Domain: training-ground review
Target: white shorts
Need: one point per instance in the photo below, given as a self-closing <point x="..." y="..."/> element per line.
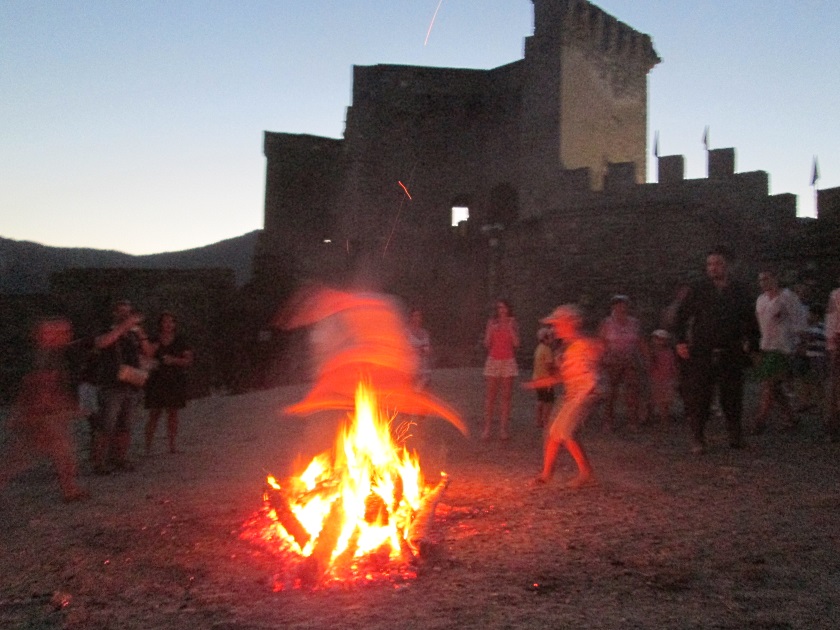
<point x="500" y="368"/>
<point x="574" y="409"/>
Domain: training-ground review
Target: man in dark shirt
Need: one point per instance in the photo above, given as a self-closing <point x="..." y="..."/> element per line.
<point x="121" y="345"/>
<point x="715" y="330"/>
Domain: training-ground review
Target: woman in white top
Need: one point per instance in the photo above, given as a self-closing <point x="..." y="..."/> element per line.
<point x="622" y="337"/>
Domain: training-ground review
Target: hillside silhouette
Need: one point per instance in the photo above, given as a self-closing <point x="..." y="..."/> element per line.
<point x="25" y="267"/>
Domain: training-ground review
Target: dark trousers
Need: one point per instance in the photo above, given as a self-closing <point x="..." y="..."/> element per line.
<point x="702" y="375"/>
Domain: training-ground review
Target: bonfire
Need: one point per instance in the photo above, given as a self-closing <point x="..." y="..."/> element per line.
<point x="363" y="508"/>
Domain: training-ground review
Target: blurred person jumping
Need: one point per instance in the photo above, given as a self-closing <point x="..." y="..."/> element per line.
<point x="359" y="336"/>
<point x="41" y="419"/>
<point x="578" y="374"/>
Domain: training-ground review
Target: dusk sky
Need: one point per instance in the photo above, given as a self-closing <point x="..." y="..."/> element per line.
<point x="138" y="126"/>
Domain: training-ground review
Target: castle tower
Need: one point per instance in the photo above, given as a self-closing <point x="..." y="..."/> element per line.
<point x="584" y="99"/>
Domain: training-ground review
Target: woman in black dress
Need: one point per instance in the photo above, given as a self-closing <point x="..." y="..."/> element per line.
<point x="166" y="389"/>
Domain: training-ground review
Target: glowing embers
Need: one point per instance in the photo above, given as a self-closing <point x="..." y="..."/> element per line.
<point x="358" y="512"/>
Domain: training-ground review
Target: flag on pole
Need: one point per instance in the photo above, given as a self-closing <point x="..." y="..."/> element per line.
<point x="815" y="173"/>
<point x="656" y="144"/>
<point x="706" y="137"/>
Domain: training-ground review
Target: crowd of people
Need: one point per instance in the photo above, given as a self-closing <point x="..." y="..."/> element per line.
<point x="694" y="361"/>
<point x="120" y="370"/>
<point x="708" y="337"/>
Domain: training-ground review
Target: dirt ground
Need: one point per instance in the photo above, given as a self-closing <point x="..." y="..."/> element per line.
<point x="731" y="539"/>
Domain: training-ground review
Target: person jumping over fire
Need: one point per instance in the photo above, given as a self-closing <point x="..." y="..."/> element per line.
<point x="578" y="373"/>
<point x="359" y="336"/>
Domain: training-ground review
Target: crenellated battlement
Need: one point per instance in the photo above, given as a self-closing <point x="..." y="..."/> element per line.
<point x="583" y="24"/>
<point x="549" y="155"/>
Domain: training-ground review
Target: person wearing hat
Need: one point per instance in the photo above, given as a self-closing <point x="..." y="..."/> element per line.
<point x="623" y="352"/>
<point x="578" y="373"/>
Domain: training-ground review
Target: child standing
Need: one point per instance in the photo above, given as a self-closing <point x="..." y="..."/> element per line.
<point x="663" y="375"/>
<point x="544" y="368"/>
<point x="579" y="375"/>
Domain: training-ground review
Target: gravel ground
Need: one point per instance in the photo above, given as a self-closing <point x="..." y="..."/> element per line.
<point x="730" y="539"/>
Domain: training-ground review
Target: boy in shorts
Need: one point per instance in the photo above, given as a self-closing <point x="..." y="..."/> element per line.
<point x="578" y="373"/>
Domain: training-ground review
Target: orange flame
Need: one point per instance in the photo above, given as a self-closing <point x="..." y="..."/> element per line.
<point x="367" y="497"/>
<point x="377" y="484"/>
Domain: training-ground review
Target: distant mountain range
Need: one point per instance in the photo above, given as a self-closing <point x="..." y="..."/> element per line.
<point x="25" y="267"/>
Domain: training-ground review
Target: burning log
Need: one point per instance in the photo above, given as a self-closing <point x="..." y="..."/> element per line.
<point x="316" y="565"/>
<point x="418" y="531"/>
<point x="280" y="503"/>
<point x="376" y="512"/>
<point x="344" y="560"/>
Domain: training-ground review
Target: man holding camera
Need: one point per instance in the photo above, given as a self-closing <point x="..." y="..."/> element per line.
<point x="120" y="350"/>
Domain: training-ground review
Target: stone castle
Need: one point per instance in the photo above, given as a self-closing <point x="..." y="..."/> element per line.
<point x="544" y="159"/>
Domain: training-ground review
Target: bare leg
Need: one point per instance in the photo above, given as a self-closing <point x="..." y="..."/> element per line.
<point x="151" y="427"/>
<point x="62" y="451"/>
<point x="552" y="448"/>
<point x="99" y="451"/>
<point x="582" y="461"/>
<point x="122" y="444"/>
<point x="781" y="398"/>
<point x="172" y="428"/>
<point x="489" y="404"/>
<point x="613" y="386"/>
<point x="631" y="397"/>
<point x="765" y="401"/>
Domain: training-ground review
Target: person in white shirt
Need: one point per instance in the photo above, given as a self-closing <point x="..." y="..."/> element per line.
<point x="779" y="314"/>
